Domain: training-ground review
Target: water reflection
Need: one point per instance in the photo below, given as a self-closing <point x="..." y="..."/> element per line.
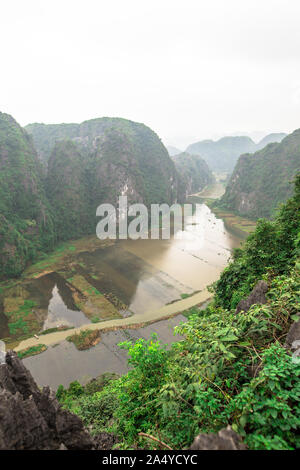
<point x="59" y="314"/>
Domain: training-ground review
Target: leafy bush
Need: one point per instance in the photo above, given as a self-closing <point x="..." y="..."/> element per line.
<point x="272" y="249"/>
<point x="268" y="408"/>
<point x="229" y="369"/>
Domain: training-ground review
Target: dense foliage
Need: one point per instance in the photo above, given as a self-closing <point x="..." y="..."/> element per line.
<point x="262" y="180"/>
<point x="26" y="219"/>
<point x="68" y="188"/>
<point x="271" y="248"/>
<point x="229" y="369"/>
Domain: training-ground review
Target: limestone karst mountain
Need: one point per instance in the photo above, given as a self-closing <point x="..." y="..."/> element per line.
<point x="194" y="170"/>
<point x="262" y="180"/>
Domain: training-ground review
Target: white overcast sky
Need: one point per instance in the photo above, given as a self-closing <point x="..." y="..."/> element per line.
<point x="189" y="69"/>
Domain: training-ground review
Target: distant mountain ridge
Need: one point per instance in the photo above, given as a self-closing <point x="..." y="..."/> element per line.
<point x="263" y="180"/>
<point x="270" y="138"/>
<point x="222" y="155"/>
<point x="173" y="150"/>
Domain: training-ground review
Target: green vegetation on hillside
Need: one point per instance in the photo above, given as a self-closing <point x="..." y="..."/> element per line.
<point x="231" y="368"/>
<point x="68" y="186"/>
<point x="26" y="219"/>
<point x="270" y="249"/>
<point x="270" y="138"/>
<point x="222" y="155"/>
<point x="194" y="171"/>
<point x="263" y="180"/>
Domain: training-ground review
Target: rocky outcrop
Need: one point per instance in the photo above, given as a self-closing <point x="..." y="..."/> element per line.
<point x="33" y="419"/>
<point x="226" y="439"/>
<point x="257" y="296"/>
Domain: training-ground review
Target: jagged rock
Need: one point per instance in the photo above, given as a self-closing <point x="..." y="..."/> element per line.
<point x="34" y="419"/>
<point x="226" y="439"/>
<point x="257" y="296"/>
<point x="292" y="340"/>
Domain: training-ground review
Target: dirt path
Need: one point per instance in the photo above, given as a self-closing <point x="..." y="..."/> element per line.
<point x="137" y="319"/>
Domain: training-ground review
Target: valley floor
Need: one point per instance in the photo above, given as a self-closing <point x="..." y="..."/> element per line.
<point x="137" y="320"/>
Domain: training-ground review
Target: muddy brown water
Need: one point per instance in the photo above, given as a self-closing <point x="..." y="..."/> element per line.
<point x="63" y="363"/>
<point x="54" y="294"/>
<point x="147" y="274"/>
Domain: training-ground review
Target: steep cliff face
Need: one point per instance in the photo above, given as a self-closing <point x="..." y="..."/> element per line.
<point x="127" y="157"/>
<point x="45" y="136"/>
<point x="26" y="219"/>
<point x="263" y="180"/>
<point x="222" y="155"/>
<point x="194" y="170"/>
<point x="68" y="188"/>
